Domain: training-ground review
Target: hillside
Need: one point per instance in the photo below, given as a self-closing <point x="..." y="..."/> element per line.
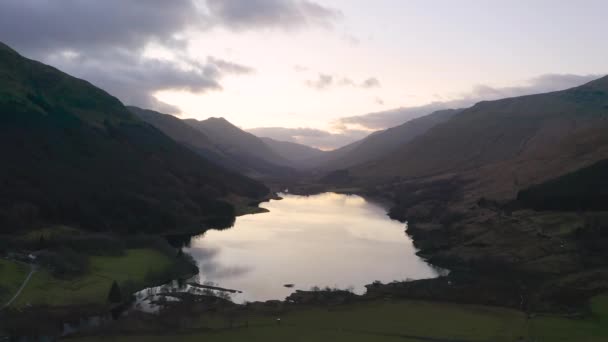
<point x="382" y="143"/>
<point x="583" y="190"/>
<point x="502" y="146"/>
<point x="75" y="155"/>
<point x="252" y="155"/>
<point x="213" y="151"/>
<point x="294" y="153"/>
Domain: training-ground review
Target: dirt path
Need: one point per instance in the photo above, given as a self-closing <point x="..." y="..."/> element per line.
<point x="27" y="279"/>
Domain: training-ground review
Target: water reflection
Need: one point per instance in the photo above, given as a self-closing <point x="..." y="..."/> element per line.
<point x="323" y="240"/>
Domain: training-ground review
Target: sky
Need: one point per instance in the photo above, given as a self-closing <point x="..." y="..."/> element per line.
<point x="318" y="72"/>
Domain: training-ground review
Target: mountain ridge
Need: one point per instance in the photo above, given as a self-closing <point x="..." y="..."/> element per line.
<point x="505" y="144"/>
<point x="77" y="156"/>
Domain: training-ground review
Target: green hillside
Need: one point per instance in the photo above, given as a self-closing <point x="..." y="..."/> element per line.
<point x="73" y="154"/>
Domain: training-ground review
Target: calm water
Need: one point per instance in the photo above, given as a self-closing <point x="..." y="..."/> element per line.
<point x="323" y="240"/>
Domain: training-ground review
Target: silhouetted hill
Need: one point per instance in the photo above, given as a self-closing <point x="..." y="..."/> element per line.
<point x="198" y="141"/>
<point x="250" y="151"/>
<point x="73" y="154"/>
<point x="292" y="152"/>
<point x="380" y="144"/>
<point x="502" y="146"/>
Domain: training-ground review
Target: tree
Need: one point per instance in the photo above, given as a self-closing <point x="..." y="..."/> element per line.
<point x="41" y="243"/>
<point x="115" y="296"/>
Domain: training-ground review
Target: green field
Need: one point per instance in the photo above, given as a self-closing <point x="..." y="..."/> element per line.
<point x="399" y="321"/>
<point x="590" y="329"/>
<point x="92" y="288"/>
<point x="12" y="275"/>
<point x="376" y="321"/>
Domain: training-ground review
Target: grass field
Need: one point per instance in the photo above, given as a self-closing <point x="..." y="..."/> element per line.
<point x="12" y="275"/>
<point x="377" y="321"/>
<point x="591" y="329"/>
<point x="92" y="288"/>
<point x="402" y="321"/>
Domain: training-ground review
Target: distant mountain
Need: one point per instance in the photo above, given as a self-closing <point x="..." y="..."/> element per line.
<point x="200" y="143"/>
<point x="245" y="147"/>
<point x="499" y="147"/>
<point x="292" y="152"/>
<point x="73" y="154"/>
<point x="380" y="144"/>
<point x="179" y="131"/>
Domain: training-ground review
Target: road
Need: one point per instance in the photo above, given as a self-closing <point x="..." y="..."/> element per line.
<point x="27" y="279"/>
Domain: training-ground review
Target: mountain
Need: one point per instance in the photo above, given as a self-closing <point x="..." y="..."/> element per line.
<point x="380" y="144"/>
<point x="220" y="152"/>
<point x="73" y="154"/>
<point x="235" y="141"/>
<point x="180" y="132"/>
<point x="249" y="150"/>
<point x="499" y="147"/>
<point x="293" y="152"/>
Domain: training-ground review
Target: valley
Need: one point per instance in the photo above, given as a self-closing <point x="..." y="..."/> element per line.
<point x="484" y="220"/>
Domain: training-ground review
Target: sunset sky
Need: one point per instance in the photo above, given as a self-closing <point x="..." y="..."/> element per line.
<point x="319" y="72"/>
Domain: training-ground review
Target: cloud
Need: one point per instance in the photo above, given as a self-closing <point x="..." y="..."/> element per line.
<point x="371" y="83"/>
<point x="395" y="117"/>
<point x="282" y="14"/>
<point x="309" y="136"/>
<point x="104" y="41"/>
<point x="40" y="26"/>
<point x="135" y="79"/>
<point x="350" y="39"/>
<point x="229" y="67"/>
<point x="326" y="81"/>
<point x="300" y="68"/>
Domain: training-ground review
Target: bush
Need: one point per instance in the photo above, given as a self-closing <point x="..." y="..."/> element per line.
<point x="95" y="244"/>
<point x="149" y="241"/>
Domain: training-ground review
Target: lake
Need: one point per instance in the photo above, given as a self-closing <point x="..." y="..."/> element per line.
<point x="334" y="240"/>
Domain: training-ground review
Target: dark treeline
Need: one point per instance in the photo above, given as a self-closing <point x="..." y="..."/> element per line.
<point x="582" y="190"/>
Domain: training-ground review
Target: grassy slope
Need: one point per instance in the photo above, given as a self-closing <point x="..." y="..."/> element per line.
<point x="12" y="275"/>
<point x="92" y="288"/>
<point x="593" y="329"/>
<point x="380" y="144"/>
<point x="506" y="145"/>
<point x="376" y="321"/>
<point x="403" y="321"/>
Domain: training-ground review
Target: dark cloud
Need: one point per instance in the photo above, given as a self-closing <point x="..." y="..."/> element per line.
<point x="326" y="81"/>
<point x="394" y="117"/>
<point x="41" y="26"/>
<point x="134" y="79"/>
<point x="103" y="41"/>
<point x="284" y="14"/>
<point x="312" y="137"/>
